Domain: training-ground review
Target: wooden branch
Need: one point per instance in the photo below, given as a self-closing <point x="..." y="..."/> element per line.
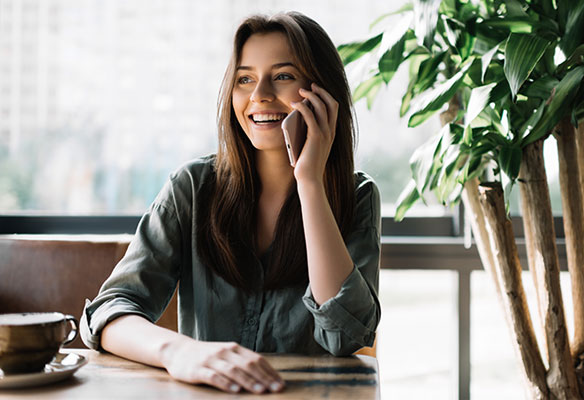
<point x="470" y="199"/>
<point x="573" y="210"/>
<point x="449" y="115"/>
<point x="537" y="217"/>
<point x="580" y="152"/>
<point x="508" y="271"/>
<point x="579" y="358"/>
<point x="531" y="261"/>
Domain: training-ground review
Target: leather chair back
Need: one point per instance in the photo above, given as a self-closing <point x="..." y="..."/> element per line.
<point x="57" y="273"/>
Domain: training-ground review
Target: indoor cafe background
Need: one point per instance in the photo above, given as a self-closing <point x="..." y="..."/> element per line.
<point x="101" y="99"/>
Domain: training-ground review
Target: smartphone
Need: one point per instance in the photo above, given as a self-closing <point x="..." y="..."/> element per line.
<point x="294" y="130"/>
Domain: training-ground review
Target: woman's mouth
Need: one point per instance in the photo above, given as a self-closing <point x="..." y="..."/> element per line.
<point x="267" y="119"/>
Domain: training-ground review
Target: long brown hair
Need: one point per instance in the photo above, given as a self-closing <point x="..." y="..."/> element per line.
<point x="226" y="210"/>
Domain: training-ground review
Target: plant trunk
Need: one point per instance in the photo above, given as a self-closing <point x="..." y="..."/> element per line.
<point x="580" y="152"/>
<point x="508" y="271"/>
<point x="539" y="228"/>
<point x="449" y="115"/>
<point x="470" y="199"/>
<point x="579" y="355"/>
<point x="573" y="210"/>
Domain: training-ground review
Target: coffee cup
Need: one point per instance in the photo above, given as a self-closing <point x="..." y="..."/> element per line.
<point x="28" y="341"/>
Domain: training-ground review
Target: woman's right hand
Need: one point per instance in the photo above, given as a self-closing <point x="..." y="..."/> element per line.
<point x="224" y="365"/>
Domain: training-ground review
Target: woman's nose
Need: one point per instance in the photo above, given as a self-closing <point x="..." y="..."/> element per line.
<point x="263" y="91"/>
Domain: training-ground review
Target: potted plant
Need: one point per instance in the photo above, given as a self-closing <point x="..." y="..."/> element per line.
<point x="504" y="76"/>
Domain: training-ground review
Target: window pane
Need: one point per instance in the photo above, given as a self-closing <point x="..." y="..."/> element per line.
<point x="101" y="100"/>
<point x="416" y="336"/>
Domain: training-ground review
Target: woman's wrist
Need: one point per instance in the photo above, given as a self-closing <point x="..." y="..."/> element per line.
<point x="309" y="187"/>
<point x="170" y="348"/>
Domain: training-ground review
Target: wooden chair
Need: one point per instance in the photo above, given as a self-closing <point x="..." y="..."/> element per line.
<point x="369" y="351"/>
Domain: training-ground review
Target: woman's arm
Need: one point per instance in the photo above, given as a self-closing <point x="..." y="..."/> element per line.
<point x="329" y="262"/>
<point x="226" y="366"/>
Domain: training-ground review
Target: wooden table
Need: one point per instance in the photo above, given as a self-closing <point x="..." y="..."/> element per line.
<point x="110" y="377"/>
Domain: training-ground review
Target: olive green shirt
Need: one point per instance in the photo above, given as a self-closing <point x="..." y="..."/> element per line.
<point x="163" y="255"/>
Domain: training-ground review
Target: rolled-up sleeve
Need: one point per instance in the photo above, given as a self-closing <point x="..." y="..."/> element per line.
<point x="144" y="280"/>
<point x="348" y="321"/>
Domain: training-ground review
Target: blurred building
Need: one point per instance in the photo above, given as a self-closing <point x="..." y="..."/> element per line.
<point x="101" y="99"/>
<point x="28" y="76"/>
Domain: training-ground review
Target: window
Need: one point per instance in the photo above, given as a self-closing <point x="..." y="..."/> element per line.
<point x="126" y="91"/>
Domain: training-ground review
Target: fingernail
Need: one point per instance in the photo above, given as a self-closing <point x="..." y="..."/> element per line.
<point x="234" y="388"/>
<point x="275" y="386"/>
<point x="258" y="388"/>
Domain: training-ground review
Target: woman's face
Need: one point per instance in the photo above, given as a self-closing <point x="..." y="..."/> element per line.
<point x="266" y="82"/>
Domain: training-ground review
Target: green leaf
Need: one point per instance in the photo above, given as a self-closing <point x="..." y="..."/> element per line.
<point x="542" y="88"/>
<point x="448" y="7"/>
<point x="392" y="59"/>
<point x="371" y="95"/>
<point x="453" y="160"/>
<point x="521" y="54"/>
<point x="496" y="139"/>
<point x="367" y="86"/>
<point x="576" y="58"/>
<point x="479" y="99"/>
<point x="515" y="9"/>
<point x="572" y="38"/>
<point x="406" y="100"/>
<point x="473" y="168"/>
<point x="425" y="20"/>
<point x="494" y="117"/>
<point x="426" y="159"/>
<point x="457" y="36"/>
<point x="406" y="200"/>
<point x="526" y="128"/>
<point x="486" y="60"/>
<point x="427" y="72"/>
<point x="565" y="92"/>
<point x="547" y="8"/>
<point x="352" y="51"/>
<point x="434" y="99"/>
<point x="563" y="12"/>
<point x="510" y="160"/>
<point x="511" y="24"/>
<point x="467" y="138"/>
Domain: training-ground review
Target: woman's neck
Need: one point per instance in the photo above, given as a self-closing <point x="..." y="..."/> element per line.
<point x="275" y="173"/>
<point x="276" y="176"/>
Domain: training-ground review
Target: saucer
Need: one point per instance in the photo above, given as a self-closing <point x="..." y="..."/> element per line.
<point x="63" y="366"/>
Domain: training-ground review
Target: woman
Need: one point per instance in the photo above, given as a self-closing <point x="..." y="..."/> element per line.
<point x="268" y="258"/>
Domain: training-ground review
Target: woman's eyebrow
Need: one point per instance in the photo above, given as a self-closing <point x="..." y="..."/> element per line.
<point x="275" y="66"/>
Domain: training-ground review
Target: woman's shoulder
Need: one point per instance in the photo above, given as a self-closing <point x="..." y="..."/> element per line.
<point x="368" y="201"/>
<point x="185" y="182"/>
<point x="364" y="183"/>
<point x="195" y="171"/>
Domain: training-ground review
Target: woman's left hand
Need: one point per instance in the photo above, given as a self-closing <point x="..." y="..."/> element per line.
<point x="321" y="123"/>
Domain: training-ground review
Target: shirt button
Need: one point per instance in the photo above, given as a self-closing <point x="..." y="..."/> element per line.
<point x="251" y="321"/>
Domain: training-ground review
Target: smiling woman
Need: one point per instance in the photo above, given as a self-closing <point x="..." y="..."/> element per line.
<point x="267" y="257"/>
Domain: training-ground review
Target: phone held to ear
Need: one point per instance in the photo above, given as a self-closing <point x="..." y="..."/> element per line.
<point x="294" y="129"/>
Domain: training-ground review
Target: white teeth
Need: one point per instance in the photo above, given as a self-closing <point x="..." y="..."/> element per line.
<point x="267" y="117"/>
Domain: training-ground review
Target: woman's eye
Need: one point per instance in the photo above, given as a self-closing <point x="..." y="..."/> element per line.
<point x="243" y="80"/>
<point x="284" y="77"/>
